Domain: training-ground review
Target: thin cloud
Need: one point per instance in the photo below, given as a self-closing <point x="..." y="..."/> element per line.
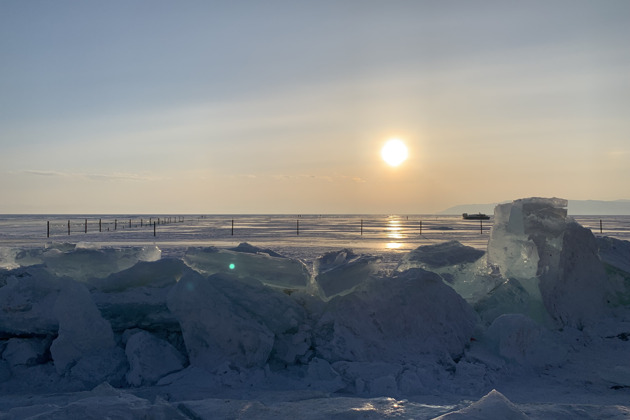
<point x="44" y="173"/>
<point x="116" y="176"/>
<point x="326" y="178"/>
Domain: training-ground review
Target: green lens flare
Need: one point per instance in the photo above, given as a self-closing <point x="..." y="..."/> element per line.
<point x="232" y="266"/>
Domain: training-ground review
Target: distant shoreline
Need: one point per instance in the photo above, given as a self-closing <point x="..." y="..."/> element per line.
<point x="575" y="208"/>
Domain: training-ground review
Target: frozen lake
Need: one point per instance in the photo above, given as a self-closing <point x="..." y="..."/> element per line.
<point x="303" y="236"/>
<point x="110" y="325"/>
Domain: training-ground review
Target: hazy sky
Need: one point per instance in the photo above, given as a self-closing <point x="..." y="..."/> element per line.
<point x="282" y="106"/>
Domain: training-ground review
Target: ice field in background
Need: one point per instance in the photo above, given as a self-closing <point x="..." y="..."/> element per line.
<point x="300" y="236"/>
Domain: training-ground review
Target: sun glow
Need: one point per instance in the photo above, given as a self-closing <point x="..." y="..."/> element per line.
<point x="394" y="152"/>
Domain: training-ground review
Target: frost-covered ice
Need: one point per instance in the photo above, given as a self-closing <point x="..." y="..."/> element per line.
<point x="536" y="327"/>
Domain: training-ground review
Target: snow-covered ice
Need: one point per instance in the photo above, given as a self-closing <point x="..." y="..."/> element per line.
<point x="538" y="327"/>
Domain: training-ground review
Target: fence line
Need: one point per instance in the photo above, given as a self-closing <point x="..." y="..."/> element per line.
<point x="72" y="227"/>
<point x="390" y="227"/>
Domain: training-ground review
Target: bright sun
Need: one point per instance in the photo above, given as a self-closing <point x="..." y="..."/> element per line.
<point x="394" y="152"/>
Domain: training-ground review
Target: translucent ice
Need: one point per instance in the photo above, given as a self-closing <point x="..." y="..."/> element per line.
<point x="533" y="241"/>
<point x="245" y="263"/>
<point x="444" y="254"/>
<point x="136" y="297"/>
<point x="160" y="273"/>
<point x="338" y="272"/>
<point x="84" y="261"/>
<point x="522" y="231"/>
<point x="464" y="268"/>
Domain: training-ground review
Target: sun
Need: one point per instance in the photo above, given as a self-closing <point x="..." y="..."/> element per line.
<point x="394" y="152"/>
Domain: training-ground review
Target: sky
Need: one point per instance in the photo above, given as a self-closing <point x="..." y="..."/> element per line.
<point x="164" y="107"/>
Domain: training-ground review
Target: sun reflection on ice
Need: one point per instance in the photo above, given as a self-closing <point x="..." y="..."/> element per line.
<point x="394" y="229"/>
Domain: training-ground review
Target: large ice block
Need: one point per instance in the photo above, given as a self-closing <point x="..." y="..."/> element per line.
<point x="395" y="319"/>
<point x="534" y="241"/>
<point x="224" y="320"/>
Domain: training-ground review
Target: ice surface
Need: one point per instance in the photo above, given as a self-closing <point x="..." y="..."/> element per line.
<point x="520" y="339"/>
<point x="554" y="258"/>
<point x="225" y="320"/>
<point x="615" y="254"/>
<point x="522" y="233"/>
<point x="150" y="358"/>
<point x="493" y="406"/>
<point x="27" y="302"/>
<point x="88" y="332"/>
<point x="339" y="272"/>
<point x="82" y="330"/>
<point x="24" y="351"/>
<point x="395" y="319"/>
<point x="463" y="267"/>
<point x="246" y="262"/>
<point x="136" y="297"/>
<point x="82" y="262"/>
<point x="445" y="254"/>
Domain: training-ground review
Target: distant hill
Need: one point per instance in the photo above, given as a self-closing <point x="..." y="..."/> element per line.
<point x="576" y="207"/>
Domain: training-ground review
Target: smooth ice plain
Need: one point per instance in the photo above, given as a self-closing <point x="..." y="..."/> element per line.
<point x="535" y="326"/>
